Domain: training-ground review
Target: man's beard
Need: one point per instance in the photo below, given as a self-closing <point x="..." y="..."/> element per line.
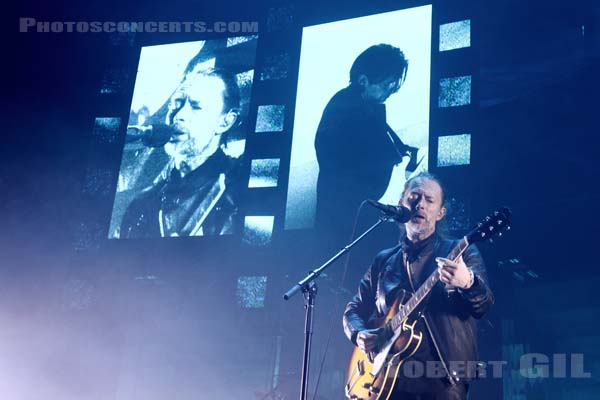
<point x="181" y="148"/>
<point x="419" y="232"/>
<point x="189" y="152"/>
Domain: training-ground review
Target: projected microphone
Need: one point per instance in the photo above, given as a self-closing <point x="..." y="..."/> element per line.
<point x="156" y="135"/>
<point x="398" y="213"/>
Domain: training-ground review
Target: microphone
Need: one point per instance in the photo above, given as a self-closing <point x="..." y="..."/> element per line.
<point x="399" y="213"/>
<point x="156" y="135"/>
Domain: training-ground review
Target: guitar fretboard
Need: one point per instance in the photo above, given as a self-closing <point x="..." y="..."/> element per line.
<point x="425" y="288"/>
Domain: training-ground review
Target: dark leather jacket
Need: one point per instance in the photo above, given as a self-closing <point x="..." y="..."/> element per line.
<point x="449" y="316"/>
<point x="202" y="203"/>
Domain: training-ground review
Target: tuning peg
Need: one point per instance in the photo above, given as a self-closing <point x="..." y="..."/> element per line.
<point x="508" y="228"/>
<point x="500" y="234"/>
<point x="491" y="240"/>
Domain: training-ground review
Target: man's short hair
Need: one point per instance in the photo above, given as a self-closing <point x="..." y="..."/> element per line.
<point x="231" y="94"/>
<point x="378" y="63"/>
<point x="422" y="176"/>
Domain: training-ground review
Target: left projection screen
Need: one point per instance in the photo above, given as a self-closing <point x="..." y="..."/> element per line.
<point x="180" y="169"/>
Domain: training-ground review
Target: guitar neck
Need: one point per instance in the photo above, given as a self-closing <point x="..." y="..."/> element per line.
<point x="426" y="287"/>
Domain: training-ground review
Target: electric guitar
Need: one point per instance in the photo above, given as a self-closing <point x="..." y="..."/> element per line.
<point x="372" y="376"/>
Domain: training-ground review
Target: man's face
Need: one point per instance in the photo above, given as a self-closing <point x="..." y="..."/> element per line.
<point x="197" y="113"/>
<point x="379" y="92"/>
<point x="424" y="199"/>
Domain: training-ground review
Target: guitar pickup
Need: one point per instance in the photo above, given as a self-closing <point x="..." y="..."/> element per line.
<point x="360" y="367"/>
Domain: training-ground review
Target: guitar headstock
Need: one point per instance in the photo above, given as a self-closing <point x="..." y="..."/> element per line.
<point x="493" y="224"/>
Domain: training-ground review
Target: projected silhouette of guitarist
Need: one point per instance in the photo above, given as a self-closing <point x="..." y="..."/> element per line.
<point x="355" y="147"/>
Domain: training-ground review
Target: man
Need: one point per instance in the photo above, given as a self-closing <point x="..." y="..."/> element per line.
<point x="355" y="149"/>
<point x="448" y="317"/>
<point x="194" y="194"/>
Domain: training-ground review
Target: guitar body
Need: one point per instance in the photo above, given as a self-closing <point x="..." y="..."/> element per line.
<point x="362" y="383"/>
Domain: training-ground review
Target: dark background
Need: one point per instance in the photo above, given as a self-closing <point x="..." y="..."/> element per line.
<point x="86" y="318"/>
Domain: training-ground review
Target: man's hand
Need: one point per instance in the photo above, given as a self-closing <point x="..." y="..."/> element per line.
<point x="455" y="274"/>
<point x="367" y="340"/>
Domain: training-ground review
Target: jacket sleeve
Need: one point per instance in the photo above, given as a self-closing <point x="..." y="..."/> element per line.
<point x="361" y="307"/>
<point x="478" y="298"/>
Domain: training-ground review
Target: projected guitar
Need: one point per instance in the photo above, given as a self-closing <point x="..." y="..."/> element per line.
<point x="372" y="376"/>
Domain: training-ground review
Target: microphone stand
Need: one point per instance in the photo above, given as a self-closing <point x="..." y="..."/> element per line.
<point x="309" y="288"/>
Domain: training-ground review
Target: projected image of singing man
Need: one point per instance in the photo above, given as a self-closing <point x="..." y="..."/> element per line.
<point x="195" y="194"/>
<point x="356" y="149"/>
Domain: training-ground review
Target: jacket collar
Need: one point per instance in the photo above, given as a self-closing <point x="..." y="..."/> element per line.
<point x="412" y="250"/>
